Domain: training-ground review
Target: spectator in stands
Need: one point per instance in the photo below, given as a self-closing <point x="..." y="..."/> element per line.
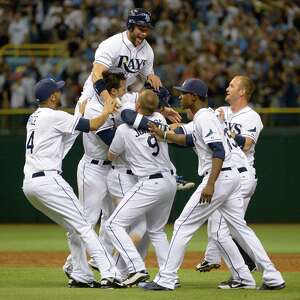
<point x="18" y="30"/>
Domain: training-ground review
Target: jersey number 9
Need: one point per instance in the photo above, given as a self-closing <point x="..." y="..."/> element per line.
<point x="152" y="142"/>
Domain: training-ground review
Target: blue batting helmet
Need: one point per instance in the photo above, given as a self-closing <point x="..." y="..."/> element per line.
<point x="139" y="16"/>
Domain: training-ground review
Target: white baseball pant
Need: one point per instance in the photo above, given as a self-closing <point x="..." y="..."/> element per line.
<point x="150" y="197"/>
<point x="228" y="200"/>
<point x="119" y="181"/>
<point x="94" y="198"/>
<point x="54" y="197"/>
<point x="218" y="232"/>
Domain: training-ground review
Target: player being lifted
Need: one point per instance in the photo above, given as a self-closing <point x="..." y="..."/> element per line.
<point x="130" y="51"/>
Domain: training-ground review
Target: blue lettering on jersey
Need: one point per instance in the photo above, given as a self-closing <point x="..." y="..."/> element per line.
<point x="236" y="128"/>
<point x="252" y="130"/>
<point x="131" y="66"/>
<point x="140" y="132"/>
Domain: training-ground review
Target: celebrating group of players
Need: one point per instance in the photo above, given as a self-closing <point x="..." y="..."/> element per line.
<point x="127" y="177"/>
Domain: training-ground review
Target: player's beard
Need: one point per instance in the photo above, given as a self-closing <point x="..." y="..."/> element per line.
<point x="136" y="40"/>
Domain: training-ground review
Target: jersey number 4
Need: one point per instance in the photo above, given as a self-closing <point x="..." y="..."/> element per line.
<point x="29" y="144"/>
<point x="152" y="142"/>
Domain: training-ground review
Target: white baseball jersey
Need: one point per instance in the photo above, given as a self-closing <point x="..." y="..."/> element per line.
<point x="238" y="157"/>
<point x="208" y="129"/>
<point x="94" y="147"/>
<point x="47" y="145"/>
<point x="144" y="153"/>
<point x="118" y="51"/>
<point x="246" y="122"/>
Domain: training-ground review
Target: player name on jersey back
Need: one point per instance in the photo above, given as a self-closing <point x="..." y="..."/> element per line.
<point x="145" y="154"/>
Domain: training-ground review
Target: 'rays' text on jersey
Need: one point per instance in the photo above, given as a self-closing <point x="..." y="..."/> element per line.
<point x="236" y="128"/>
<point x="132" y="65"/>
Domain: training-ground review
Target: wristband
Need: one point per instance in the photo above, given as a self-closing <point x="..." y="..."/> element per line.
<point x="240" y="140"/>
<point x="100" y="86"/>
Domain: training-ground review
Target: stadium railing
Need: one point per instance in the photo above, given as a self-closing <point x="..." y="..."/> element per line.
<point x="34" y="50"/>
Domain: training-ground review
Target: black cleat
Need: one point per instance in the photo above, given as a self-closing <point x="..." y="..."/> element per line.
<point x="205" y="266"/>
<point x="111" y="283"/>
<point x="135" y="278"/>
<point x="153" y="286"/>
<point x="77" y="284"/>
<point x="265" y="287"/>
<point x="234" y="285"/>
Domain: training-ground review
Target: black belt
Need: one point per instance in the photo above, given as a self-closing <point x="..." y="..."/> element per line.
<point x="129" y="172"/>
<point x="226" y="169"/>
<point x="105" y="162"/>
<point x="156" y="175"/>
<point x="40" y="174"/>
<point x="242" y="170"/>
<point x="223" y="169"/>
<point x="159" y="175"/>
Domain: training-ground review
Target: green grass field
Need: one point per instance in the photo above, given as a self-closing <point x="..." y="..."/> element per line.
<point x="50" y="282"/>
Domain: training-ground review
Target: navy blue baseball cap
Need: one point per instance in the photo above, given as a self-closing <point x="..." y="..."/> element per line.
<point x="46" y="87"/>
<point x="193" y="86"/>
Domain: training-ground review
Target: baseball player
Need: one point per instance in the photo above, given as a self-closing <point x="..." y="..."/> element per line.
<point x="131" y="52"/>
<point x="244" y="124"/>
<point x="48" y="132"/>
<point x="215" y="222"/>
<point x="92" y="172"/>
<point x="220" y="189"/>
<point x="153" y="194"/>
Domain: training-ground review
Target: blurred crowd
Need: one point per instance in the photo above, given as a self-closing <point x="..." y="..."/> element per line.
<point x="209" y="39"/>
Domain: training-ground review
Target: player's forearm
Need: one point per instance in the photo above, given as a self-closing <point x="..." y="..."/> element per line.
<point x="97" y="72"/>
<point x="216" y="167"/>
<point x="248" y="144"/>
<point x="99" y="121"/>
<point x="172" y="137"/>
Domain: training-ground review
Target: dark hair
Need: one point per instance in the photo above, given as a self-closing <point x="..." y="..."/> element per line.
<point x="113" y="79"/>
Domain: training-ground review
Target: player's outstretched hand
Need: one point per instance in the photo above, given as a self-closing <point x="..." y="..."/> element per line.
<point x="155" y="81"/>
<point x="171" y="114"/>
<point x="82" y="105"/>
<point x="207" y="193"/>
<point x="153" y="128"/>
<point x="220" y="114"/>
<point x="110" y="105"/>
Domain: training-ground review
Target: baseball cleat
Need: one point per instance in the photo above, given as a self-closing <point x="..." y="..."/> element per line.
<point x="135" y="278"/>
<point x="77" y="284"/>
<point x="111" y="283"/>
<point x="205" y="266"/>
<point x="272" y="288"/>
<point x="235" y="285"/>
<point x="143" y="284"/>
<point x="183" y="184"/>
<point x="177" y="283"/>
<point x="153" y="286"/>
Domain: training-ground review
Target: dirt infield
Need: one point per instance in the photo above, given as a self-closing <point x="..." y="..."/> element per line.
<point x="284" y="262"/>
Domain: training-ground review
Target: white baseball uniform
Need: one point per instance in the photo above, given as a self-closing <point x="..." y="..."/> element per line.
<point x="152" y="196"/>
<point x="48" y="139"/>
<point x="226" y="198"/>
<point x="248" y="123"/>
<point x="120" y="180"/>
<point x="93" y="193"/>
<point x="118" y="51"/>
<point x="217" y="229"/>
